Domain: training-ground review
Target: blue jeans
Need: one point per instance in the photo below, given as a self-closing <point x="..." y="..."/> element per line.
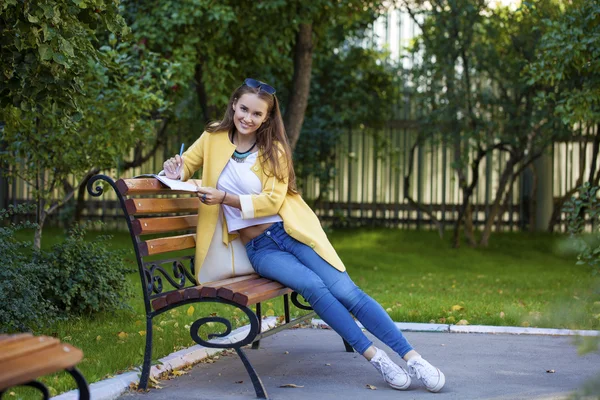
<point x="331" y="293"/>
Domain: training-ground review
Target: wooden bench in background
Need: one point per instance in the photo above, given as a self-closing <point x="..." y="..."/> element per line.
<point x="162" y="221"/>
<point x="25" y="358"/>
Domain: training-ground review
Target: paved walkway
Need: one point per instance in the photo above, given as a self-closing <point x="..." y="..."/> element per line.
<point x="477" y="366"/>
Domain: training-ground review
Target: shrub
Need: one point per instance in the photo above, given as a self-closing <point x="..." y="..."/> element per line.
<point x="76" y="277"/>
<point x="23" y="307"/>
<point x="83" y="277"/>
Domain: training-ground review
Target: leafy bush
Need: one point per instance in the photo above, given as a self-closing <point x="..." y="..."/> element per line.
<point x="83" y="277"/>
<point x="76" y="277"/>
<point x="585" y="204"/>
<point x="23" y="307"/>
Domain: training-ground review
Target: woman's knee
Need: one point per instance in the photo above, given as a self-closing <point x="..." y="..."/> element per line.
<point x="347" y="292"/>
<point x="313" y="289"/>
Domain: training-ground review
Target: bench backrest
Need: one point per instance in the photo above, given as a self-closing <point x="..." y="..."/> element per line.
<point x="162" y="223"/>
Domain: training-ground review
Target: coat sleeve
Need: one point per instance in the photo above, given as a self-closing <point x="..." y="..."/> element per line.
<point x="269" y="201"/>
<point x="193" y="158"/>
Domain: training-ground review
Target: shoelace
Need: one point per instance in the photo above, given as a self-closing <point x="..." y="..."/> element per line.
<point x="383" y="363"/>
<point x="417" y="373"/>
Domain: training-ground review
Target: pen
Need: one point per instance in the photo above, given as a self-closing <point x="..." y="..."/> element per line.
<point x="180" y="154"/>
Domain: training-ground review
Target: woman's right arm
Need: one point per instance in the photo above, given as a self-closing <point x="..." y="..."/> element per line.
<point x="192" y="160"/>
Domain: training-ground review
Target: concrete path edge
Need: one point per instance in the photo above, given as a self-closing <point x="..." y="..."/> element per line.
<point x="112" y="388"/>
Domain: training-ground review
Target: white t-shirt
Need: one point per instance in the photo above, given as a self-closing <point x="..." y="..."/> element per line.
<point x="237" y="178"/>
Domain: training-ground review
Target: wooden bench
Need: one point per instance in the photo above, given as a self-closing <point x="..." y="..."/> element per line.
<point x="24" y="358"/>
<point x="171" y="217"/>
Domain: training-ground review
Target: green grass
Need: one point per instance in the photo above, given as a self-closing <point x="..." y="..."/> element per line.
<point x="520" y="279"/>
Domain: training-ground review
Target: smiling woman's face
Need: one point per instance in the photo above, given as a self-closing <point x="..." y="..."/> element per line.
<point x="250" y="111"/>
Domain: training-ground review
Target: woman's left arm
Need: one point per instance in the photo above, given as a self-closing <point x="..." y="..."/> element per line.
<point x="266" y="203"/>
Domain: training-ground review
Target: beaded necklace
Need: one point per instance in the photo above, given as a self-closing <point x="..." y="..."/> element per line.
<point x="240" y="157"/>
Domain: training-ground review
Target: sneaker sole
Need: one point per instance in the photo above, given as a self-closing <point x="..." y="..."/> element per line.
<point x="440" y="383"/>
<point x="403" y="387"/>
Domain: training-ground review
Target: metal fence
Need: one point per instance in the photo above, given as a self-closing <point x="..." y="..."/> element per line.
<point x="367" y="188"/>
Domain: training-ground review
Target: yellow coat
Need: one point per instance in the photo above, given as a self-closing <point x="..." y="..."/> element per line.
<point x="299" y="220"/>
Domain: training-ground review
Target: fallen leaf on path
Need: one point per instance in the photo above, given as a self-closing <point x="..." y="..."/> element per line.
<point x="372" y="387"/>
<point x="154" y="383"/>
<point x="550" y="371"/>
<point x="239" y="381"/>
<point x="291" y="385"/>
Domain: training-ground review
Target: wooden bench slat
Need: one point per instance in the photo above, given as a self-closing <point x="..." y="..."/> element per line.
<point x="164" y="245"/>
<point x="141" y="186"/>
<point x="5" y="338"/>
<point x="155" y="206"/>
<point x="19" y="348"/>
<point x="227" y="291"/>
<point x="51" y="359"/>
<point x="144" y="226"/>
<point x="248" y="300"/>
<point x="209" y="289"/>
<point x="159" y="302"/>
<point x="195" y="292"/>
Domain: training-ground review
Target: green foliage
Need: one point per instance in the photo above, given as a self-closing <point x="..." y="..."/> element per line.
<point x="76" y="277"/>
<point x="23" y="307"/>
<point x="77" y="95"/>
<point x="45" y="48"/>
<point x="351" y="89"/>
<point x="568" y="59"/>
<point x="218" y="45"/>
<point x="83" y="277"/>
<point x="581" y="210"/>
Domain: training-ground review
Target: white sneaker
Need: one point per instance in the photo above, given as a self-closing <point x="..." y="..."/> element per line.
<point x="432" y="378"/>
<point x="395" y="376"/>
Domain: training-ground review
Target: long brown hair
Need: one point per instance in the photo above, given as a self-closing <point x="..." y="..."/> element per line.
<point x="270" y="136"/>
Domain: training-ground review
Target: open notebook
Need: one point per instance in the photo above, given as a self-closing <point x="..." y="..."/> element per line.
<point x="172" y="183"/>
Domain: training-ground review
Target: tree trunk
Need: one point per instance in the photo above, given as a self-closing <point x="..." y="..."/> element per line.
<point x="487" y="230"/>
<point x="207" y="111"/>
<point x="294" y="113"/>
<point x="469" y="231"/>
<point x="41" y="218"/>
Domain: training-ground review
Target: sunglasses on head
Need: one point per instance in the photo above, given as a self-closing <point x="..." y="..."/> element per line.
<point x="253" y="83"/>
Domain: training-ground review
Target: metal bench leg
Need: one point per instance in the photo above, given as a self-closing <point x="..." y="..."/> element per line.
<point x="286" y="307"/>
<point x="256" y="345"/>
<point x="147" y="356"/>
<point x="84" y="390"/>
<point x="259" y="388"/>
<point x="349" y="348"/>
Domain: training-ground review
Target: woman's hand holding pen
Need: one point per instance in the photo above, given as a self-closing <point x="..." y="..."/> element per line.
<point x="172" y="167"/>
